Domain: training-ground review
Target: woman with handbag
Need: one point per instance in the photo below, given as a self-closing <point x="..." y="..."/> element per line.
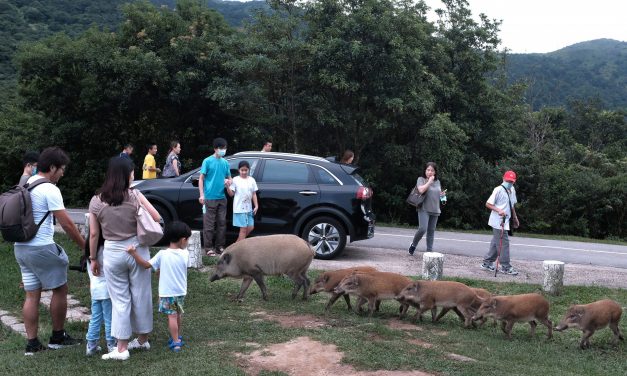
<point x="429" y="187"/>
<point x="116" y="211"/>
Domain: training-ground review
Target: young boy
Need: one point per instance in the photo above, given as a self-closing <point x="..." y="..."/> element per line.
<point x="244" y="188"/>
<point x="172" y="263"/>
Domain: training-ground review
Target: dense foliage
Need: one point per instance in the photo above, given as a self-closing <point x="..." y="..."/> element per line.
<point x="318" y="77"/>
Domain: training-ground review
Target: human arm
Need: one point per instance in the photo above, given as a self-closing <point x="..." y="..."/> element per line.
<point x="424" y="187"/>
<point x="69" y="227"/>
<point x="515" y="222"/>
<point x="201" y="186"/>
<point x="490" y="206"/>
<point x="230" y="190"/>
<point x="138" y="259"/>
<point x="255" y="203"/>
<point x="94" y="235"/>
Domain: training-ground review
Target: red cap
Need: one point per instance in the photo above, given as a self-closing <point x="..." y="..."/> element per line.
<point x="509" y="175"/>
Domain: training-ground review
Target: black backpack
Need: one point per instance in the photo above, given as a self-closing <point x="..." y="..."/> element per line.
<point x="16" y="213"/>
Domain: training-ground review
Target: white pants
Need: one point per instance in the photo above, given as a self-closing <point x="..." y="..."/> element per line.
<point x="129" y="287"/>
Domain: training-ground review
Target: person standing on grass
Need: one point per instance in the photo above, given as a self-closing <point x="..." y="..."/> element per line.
<point x="150" y="169"/>
<point x="244" y="188"/>
<point x="172" y="264"/>
<point x="215" y="175"/>
<point x="43" y="263"/>
<point x="501" y="204"/>
<point x="29" y="162"/>
<point x="113" y="212"/>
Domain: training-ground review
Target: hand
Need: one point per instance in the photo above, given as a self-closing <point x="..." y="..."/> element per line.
<point x="431" y="179"/>
<point x="95" y="267"/>
<point x="255" y="210"/>
<point x="516" y="223"/>
<point x="158" y="170"/>
<point x="201" y="199"/>
<point x="131" y="249"/>
<point x="227" y="182"/>
<point x="501" y="212"/>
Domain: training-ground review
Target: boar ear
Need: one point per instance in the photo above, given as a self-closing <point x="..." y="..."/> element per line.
<point x="326" y="278"/>
<point x="226" y="258"/>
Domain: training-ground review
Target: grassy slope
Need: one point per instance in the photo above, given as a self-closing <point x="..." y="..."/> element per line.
<point x="216" y="328"/>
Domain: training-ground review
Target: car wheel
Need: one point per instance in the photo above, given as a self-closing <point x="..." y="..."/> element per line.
<point x="326" y="236"/>
<point x="163" y="212"/>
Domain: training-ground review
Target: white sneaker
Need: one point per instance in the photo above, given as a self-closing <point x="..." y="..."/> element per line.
<point x="116" y="355"/>
<point x="134" y="345"/>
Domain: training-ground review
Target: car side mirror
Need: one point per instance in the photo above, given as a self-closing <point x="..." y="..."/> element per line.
<point x="195" y="182"/>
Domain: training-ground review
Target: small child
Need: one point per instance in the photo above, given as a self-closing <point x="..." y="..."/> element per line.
<point x="100" y="311"/>
<point x="244" y="188"/>
<point x="172" y="265"/>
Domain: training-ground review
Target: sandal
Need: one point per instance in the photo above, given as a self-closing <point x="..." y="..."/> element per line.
<point x="180" y="340"/>
<point x="175" y="346"/>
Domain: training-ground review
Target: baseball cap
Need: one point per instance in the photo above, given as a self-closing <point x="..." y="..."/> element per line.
<point x="509" y="175"/>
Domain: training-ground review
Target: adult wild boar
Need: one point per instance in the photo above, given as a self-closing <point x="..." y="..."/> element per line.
<point x="428" y="295"/>
<point x="482" y="294"/>
<point x="592" y="317"/>
<point x="517" y="308"/>
<point x="253" y="258"/>
<point x="373" y="287"/>
<point x="328" y="281"/>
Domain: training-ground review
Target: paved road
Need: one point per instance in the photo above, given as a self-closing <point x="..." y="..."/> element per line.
<point x="476" y="245"/>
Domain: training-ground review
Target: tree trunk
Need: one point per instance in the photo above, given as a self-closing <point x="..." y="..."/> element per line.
<point x="553" y="276"/>
<point x="195" y="251"/>
<point x="432" y="265"/>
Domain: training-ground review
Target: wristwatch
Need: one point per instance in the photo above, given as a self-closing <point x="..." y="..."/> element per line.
<point x="92" y="258"/>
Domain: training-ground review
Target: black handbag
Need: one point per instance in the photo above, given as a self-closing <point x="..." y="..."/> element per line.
<point x="415" y="198"/>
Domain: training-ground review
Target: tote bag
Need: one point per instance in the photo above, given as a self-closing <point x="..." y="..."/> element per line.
<point x="415" y="198"/>
<point x="149" y="232"/>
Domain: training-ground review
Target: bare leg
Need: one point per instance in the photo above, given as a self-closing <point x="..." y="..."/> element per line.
<point x="30" y="313"/>
<point x="242" y="234"/>
<point x="173" y="326"/>
<point x="58" y="307"/>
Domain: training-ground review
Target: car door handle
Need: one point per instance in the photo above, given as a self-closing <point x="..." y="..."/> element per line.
<point x="308" y="193"/>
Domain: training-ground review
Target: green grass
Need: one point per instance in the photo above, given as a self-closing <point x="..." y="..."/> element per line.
<point x="570" y="238"/>
<point x="217" y="328"/>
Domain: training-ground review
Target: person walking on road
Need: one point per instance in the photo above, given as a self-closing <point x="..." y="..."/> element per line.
<point x="428" y="213"/>
<point x="501" y="204"/>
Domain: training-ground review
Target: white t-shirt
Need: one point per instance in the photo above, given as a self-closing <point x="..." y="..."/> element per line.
<point x="173" y="275"/>
<point x="44" y="197"/>
<point x="498" y="198"/>
<point x="244" y="189"/>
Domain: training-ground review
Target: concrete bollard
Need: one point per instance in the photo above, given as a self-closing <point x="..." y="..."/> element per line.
<point x="195" y="251"/>
<point x="553" y="276"/>
<point x="432" y="265"/>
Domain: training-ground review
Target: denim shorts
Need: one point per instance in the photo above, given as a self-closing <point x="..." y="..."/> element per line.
<point x="243" y="219"/>
<point x="171" y="305"/>
<point x="43" y="267"/>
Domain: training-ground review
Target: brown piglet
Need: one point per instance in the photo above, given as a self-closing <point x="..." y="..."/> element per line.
<point x="482" y="295"/>
<point x="517" y="308"/>
<point x="592" y="317"/>
<point x="328" y="281"/>
<point x="373" y="287"/>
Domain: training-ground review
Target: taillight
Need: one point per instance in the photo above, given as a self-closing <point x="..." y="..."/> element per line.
<point x="364" y="193"/>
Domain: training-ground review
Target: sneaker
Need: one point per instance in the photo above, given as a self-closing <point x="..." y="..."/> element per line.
<point x="92" y="349"/>
<point x="412" y="249"/>
<point x="510" y="271"/>
<point x="63" y="341"/>
<point x="116" y="355"/>
<point x="32" y="349"/>
<point x="134" y="345"/>
<point x="487" y="266"/>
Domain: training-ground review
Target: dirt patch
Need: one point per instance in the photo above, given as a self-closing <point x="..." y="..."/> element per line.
<point x="291" y="320"/>
<point x="460" y="358"/>
<point x="423" y="344"/>
<point x="304" y="356"/>
<point x="402" y="325"/>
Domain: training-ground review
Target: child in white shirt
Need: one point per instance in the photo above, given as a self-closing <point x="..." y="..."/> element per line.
<point x="172" y="264"/>
<point x="244" y="188"/>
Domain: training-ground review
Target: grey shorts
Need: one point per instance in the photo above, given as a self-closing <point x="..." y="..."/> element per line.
<point x="43" y="267"/>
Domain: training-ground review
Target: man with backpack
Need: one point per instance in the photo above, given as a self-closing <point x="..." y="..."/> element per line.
<point x="42" y="262"/>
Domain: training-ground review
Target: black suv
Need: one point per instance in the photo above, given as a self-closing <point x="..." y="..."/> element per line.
<point x="320" y="200"/>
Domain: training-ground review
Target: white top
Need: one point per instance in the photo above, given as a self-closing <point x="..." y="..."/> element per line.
<point x="98" y="284"/>
<point x="173" y="275"/>
<point x="44" y="197"/>
<point x="498" y="198"/>
<point x="244" y="189"/>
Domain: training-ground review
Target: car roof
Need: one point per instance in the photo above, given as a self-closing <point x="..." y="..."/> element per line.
<point x="262" y="154"/>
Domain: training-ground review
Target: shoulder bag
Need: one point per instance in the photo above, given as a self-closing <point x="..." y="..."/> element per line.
<point x="149" y="232"/>
<point x="416" y="198"/>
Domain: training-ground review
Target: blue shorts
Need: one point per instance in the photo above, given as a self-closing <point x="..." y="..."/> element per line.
<point x="243" y="219"/>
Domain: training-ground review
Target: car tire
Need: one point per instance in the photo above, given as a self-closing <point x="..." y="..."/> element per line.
<point x="326" y="235"/>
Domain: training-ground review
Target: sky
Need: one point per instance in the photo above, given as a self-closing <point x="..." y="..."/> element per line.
<point x="548" y="25"/>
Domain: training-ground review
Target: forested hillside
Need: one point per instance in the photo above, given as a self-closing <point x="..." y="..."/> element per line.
<point x="594" y="69"/>
<point x="375" y="76"/>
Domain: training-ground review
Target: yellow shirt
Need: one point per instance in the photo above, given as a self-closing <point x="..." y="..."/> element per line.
<point x="149" y="161"/>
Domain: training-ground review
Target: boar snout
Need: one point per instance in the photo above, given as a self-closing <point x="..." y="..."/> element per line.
<point x="338" y="290"/>
<point x="561" y="327"/>
<point x="214" y="277"/>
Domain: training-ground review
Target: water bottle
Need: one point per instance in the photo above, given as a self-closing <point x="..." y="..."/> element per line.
<point x="204" y="209"/>
<point x="443" y="198"/>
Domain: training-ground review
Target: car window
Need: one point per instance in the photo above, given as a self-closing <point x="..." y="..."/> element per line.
<point x="234" y="163"/>
<point x="324" y="177"/>
<point x="275" y="171"/>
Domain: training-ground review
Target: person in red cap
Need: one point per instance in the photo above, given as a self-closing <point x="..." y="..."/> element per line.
<point x="501" y="203"/>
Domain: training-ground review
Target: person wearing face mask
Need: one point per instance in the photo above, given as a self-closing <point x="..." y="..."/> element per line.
<point x="501" y="203"/>
<point x="215" y="175"/>
<point x="29" y="161"/>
